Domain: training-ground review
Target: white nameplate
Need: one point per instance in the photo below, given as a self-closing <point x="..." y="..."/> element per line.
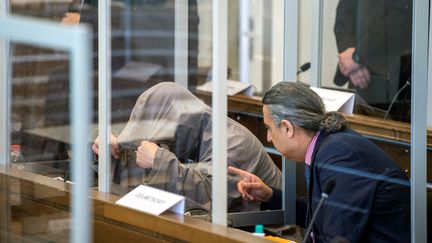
<point x="336" y="100"/>
<point x="152" y="200"/>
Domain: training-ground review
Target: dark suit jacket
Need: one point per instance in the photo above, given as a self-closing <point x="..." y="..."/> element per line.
<point x="370" y="201"/>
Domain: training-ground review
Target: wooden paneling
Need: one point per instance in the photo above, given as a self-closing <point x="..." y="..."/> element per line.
<point x="42" y="214"/>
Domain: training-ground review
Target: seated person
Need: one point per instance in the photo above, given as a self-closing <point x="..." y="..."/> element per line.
<point x="370" y="201"/>
<point x="167" y="144"/>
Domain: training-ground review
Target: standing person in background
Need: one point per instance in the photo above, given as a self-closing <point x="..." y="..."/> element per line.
<point x="370" y="200"/>
<point x="374" y="43"/>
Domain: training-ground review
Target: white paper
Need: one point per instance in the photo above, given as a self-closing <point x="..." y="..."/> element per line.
<point x="234" y="87"/>
<point x="153" y="201"/>
<point x="336" y="100"/>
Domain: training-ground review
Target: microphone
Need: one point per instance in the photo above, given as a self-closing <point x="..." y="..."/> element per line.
<point x="328" y="188"/>
<point x="304" y="67"/>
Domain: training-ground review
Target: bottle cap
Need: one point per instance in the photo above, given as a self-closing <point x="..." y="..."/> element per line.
<point x="15" y="147"/>
<point x="259" y="228"/>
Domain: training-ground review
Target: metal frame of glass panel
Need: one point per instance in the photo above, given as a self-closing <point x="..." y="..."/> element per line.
<point x="76" y="40"/>
<point x="5" y="109"/>
<point x="290" y="64"/>
<point x="289" y="167"/>
<point x="104" y="82"/>
<point x="104" y="54"/>
<point x="5" y="89"/>
<point x="219" y="118"/>
<point x="418" y="120"/>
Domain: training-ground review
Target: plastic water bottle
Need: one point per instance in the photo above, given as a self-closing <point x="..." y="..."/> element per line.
<point x="17" y="158"/>
<point x="259" y="230"/>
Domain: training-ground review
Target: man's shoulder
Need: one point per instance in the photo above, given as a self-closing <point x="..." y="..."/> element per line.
<point x="345" y="138"/>
<point x="342" y="147"/>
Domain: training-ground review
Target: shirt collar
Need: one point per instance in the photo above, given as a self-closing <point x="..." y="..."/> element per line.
<point x="310" y="148"/>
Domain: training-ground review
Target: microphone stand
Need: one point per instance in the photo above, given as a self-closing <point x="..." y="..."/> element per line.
<point x="328" y="188"/>
<point x="395" y="97"/>
<point x="324" y="196"/>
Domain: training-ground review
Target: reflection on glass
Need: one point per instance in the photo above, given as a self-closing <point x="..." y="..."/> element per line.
<point x="39" y="107"/>
<point x="143" y="49"/>
<point x="175" y="125"/>
<point x="373" y="39"/>
<point x="39" y="134"/>
<point x="30" y="213"/>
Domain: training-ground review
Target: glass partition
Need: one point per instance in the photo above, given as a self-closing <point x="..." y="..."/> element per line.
<point x="162" y="132"/>
<point x="40" y="114"/>
<point x="40" y="96"/>
<point x="162" y="127"/>
<point x="367" y="50"/>
<point x="146" y="104"/>
<point x="255" y="43"/>
<point x="429" y="150"/>
<point x="40" y="93"/>
<point x="39" y="117"/>
<point x="151" y="115"/>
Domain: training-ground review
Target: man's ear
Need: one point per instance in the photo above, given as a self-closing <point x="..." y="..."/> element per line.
<point x="287" y="127"/>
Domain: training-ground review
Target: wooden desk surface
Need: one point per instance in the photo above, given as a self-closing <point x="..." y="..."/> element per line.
<point x="37" y="208"/>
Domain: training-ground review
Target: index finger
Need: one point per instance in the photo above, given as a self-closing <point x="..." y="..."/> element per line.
<point x="237" y="171"/>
